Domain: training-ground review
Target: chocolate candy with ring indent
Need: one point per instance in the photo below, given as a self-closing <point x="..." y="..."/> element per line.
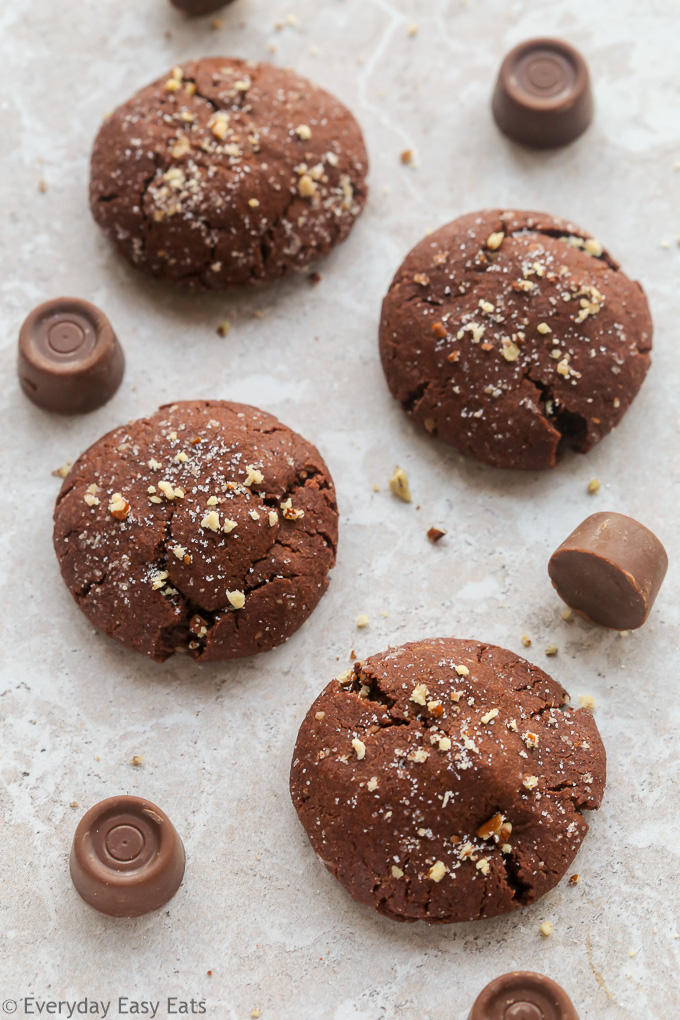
<point x="543" y="97"/>
<point x="194" y="8"/>
<point x="523" y="995"/>
<point x="70" y="360"/>
<point x="126" y="858"/>
<point x="610" y="570"/>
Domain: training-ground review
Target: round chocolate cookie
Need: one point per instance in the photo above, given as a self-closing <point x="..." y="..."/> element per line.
<point x="209" y="527"/>
<point x="228" y="172"/>
<point x="512" y="335"/>
<point x="195" y="8"/>
<point x="445" y="780"/>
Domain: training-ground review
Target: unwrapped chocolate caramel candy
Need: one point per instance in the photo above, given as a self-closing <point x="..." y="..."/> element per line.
<point x="127" y="858"/>
<point x="522" y="995"/>
<point x="610" y="570"/>
<point x="543" y="97"/>
<point x="70" y="360"/>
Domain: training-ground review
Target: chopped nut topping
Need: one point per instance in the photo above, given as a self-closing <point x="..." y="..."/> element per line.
<point x="593" y="247"/>
<point x="372" y="784"/>
<point x="486" y="306"/>
<point x="397" y="872"/>
<point x="419" y="694"/>
<point x="179" y="551"/>
<point x="483" y="866"/>
<point x="495" y="240"/>
<point x="90" y="499"/>
<point x="273" y="518"/>
<point x="587" y="701"/>
<point x="543" y="327"/>
<point x="213" y="501"/>
<point x="159" y="579"/>
<point x="346" y="676"/>
<point x="509" y="350"/>
<point x="211" y="521"/>
<point x="419" y="755"/>
<point x="475" y="328"/>
<point x="439" y="330"/>
<point x="320" y="715"/>
<point x="181" y="147"/>
<point x="304" y="132"/>
<point x="359" y="747"/>
<point x="437" y="871"/>
<point x="530" y="739"/>
<point x="306" y="186"/>
<point x="422" y="279"/>
<point x="219" y="124"/>
<point x="236" y="599"/>
<point x="119" y="507"/>
<point x="399" y="485"/>
<point x="288" y="512"/>
<point x="491" y="714"/>
<point x="530" y="782"/>
<point x="154" y="465"/>
<point x="253" y="203"/>
<point x="254" y="515"/>
<point x="462" y="670"/>
<point x="444" y="744"/>
<point x="492" y="828"/>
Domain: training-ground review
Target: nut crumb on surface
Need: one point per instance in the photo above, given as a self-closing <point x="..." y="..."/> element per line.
<point x="435" y="534"/>
<point x="362" y="621"/>
<point x="586" y="701"/>
<point x="224" y="327"/>
<point x="137" y="760"/>
<point x="399" y="485"/>
<point x="526" y="640"/>
<point x="551" y="650"/>
<point x="546" y="929"/>
<point x="593" y="486"/>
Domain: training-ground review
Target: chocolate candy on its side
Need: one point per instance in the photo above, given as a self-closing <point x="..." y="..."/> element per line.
<point x="194" y="8"/>
<point x="543" y="97"/>
<point x="70" y="360"/>
<point x="523" y="995"/>
<point x="610" y="570"/>
<point x="127" y="858"/>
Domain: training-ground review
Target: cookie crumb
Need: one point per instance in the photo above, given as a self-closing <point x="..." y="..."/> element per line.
<point x="136" y="760"/>
<point x="399" y="485"/>
<point x="412" y="30"/>
<point x="587" y="701"/>
<point x="224" y="327"/>
<point x="593" y="486"/>
<point x="407" y="156"/>
<point x="552" y="650"/>
<point x="435" y="534"/>
<point x="526" y="640"/>
<point x="546" y="929"/>
<point x="574" y="879"/>
<point x="362" y="621"/>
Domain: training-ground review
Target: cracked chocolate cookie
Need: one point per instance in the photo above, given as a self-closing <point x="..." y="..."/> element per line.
<point x="445" y="780"/>
<point x="227" y="172"/>
<point x="512" y="335"/>
<point x="208" y="528"/>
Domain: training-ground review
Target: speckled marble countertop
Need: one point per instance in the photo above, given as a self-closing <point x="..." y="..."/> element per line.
<point x="256" y="908"/>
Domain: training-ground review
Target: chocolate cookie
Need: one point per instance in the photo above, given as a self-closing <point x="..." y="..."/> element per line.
<point x="228" y="172"/>
<point x="512" y="335"/>
<point x="209" y="527"/>
<point x="445" y="780"/>
<point x="194" y="8"/>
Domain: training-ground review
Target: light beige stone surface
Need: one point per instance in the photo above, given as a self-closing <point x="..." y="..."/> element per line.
<point x="257" y="909"/>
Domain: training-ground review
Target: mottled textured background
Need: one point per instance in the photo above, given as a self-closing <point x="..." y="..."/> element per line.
<point x="257" y="909"/>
